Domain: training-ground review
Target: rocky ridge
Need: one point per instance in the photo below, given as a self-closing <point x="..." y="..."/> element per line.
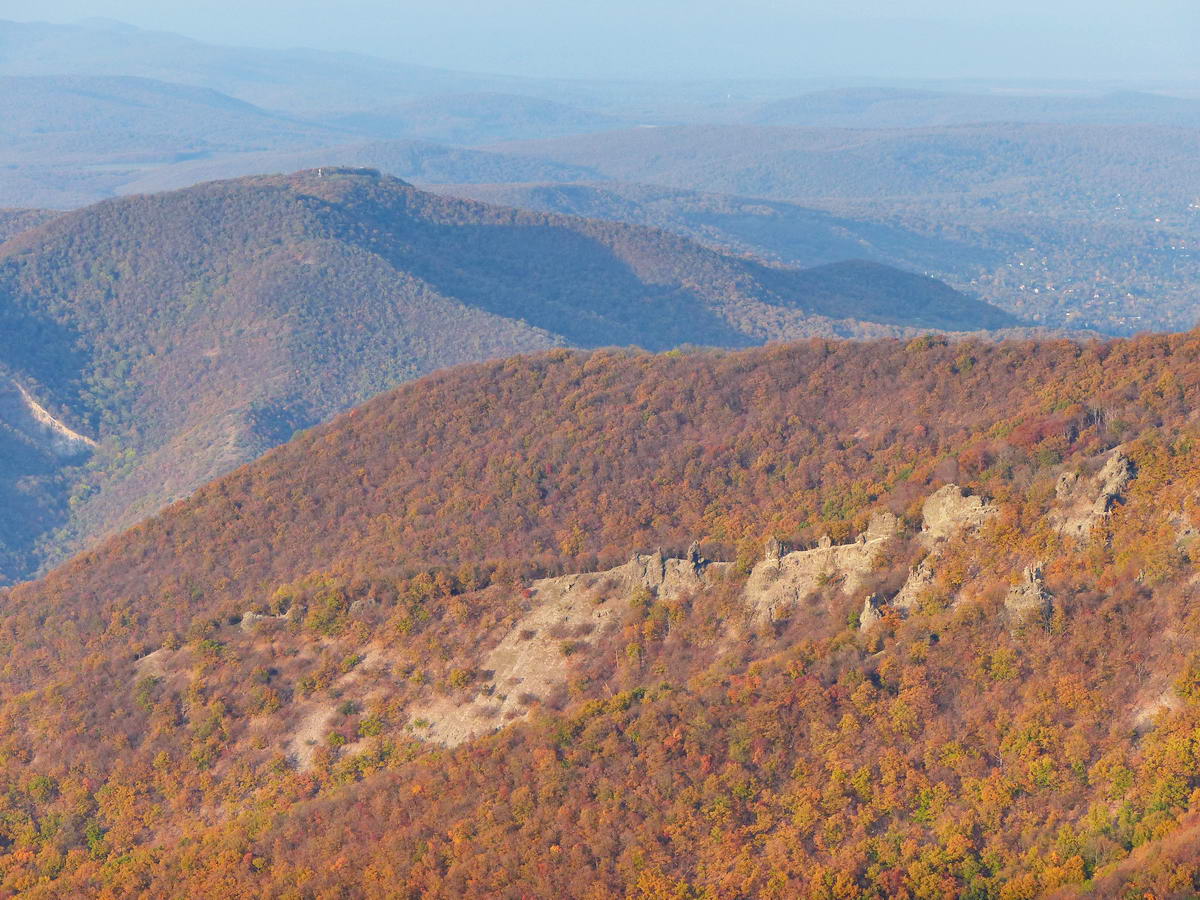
<point x="781" y="581"/>
<point x="562" y="619"/>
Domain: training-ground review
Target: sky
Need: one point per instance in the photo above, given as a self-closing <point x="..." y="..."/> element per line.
<point x="1088" y="39"/>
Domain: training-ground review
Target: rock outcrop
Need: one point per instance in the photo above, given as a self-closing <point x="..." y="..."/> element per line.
<point x="1186" y="534"/>
<point x="950" y="510"/>
<point x="1145" y="714"/>
<point x="870" y="615"/>
<point x="947" y="512"/>
<point x="919" y="581"/>
<point x="533" y="659"/>
<point x="1028" y="598"/>
<point x="780" y="581"/>
<point x="1083" y="502"/>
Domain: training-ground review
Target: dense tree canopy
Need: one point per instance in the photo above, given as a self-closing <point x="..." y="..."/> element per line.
<point x="691" y="752"/>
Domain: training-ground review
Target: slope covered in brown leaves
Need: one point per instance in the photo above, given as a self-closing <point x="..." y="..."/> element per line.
<point x="157" y="736"/>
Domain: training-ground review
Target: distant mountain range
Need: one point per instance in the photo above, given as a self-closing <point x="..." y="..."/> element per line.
<point x="777" y="230"/>
<point x="1077" y="170"/>
<point x="285" y="80"/>
<point x="472" y="119"/>
<point x="187" y="332"/>
<point x="419" y="161"/>
<point x="882" y="107"/>
<point x="1072" y="206"/>
<point x="72" y="118"/>
<point x="1091" y="226"/>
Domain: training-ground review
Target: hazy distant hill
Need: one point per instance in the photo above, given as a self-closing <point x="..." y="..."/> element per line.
<point x="187" y="332"/>
<point x="85" y="119"/>
<point x="472" y="119"/>
<point x="295" y="80"/>
<point x="881" y="107"/>
<point x="1077" y="170"/>
<point x="1096" y="226"/>
<point x="411" y="160"/>
<point x="1057" y="208"/>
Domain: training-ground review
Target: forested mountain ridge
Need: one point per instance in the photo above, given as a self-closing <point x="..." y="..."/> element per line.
<point x="14" y="221"/>
<point x="187" y="332"/>
<point x="950" y="649"/>
<point x="775" y="230"/>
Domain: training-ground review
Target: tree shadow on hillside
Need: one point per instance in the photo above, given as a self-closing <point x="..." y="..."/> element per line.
<point x="565" y="282"/>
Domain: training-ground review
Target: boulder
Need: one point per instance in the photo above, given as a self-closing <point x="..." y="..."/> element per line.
<point x="870" y="615"/>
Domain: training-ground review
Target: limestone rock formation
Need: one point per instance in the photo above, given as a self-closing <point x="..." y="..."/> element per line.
<point x="780" y="581"/>
<point x="1082" y="502"/>
<point x="950" y="510"/>
<point x="920" y="580"/>
<point x="250" y="619"/>
<point x="1186" y="534"/>
<point x="666" y="578"/>
<point x="870" y="615"/>
<point x="773" y="551"/>
<point x="1029" y="598"/>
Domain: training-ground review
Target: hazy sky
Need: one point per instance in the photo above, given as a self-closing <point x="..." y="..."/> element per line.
<point x="1118" y="39"/>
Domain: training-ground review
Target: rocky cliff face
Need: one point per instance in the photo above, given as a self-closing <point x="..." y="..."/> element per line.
<point x="1084" y="500"/>
<point x="948" y="513"/>
<point x="781" y="581"/>
<point x="950" y="510"/>
<point x="566" y="616"/>
<point x="1028" y="599"/>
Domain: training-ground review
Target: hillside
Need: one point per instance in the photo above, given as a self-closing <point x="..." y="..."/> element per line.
<point x="1095" y="226"/>
<point x="935" y="637"/>
<point x="69" y="140"/>
<point x="14" y="221"/>
<point x="782" y="232"/>
<point x="187" y="332"/>
<point x="1109" y="277"/>
<point x="1024" y="167"/>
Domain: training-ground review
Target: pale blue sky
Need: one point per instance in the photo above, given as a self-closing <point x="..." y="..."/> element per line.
<point x="1117" y="39"/>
